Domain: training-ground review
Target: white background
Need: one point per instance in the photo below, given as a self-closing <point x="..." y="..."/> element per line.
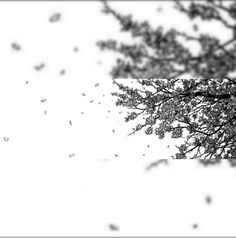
<point x="43" y="191"/>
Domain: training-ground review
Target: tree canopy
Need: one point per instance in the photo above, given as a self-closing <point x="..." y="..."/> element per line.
<point x="201" y="109"/>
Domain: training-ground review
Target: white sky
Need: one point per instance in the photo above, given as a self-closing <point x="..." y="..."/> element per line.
<point x="43" y="191"/>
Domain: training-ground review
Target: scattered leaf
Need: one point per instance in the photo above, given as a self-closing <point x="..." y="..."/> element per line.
<point x="39" y="67"/>
<point x="76" y="49"/>
<point x="63" y="72"/>
<point x="6" y="139"/>
<point x="195" y="226"/>
<point x="156" y="163"/>
<point x="16" y="46"/>
<point x="113" y="227"/>
<point x="55" y="17"/>
<point x="208" y="199"/>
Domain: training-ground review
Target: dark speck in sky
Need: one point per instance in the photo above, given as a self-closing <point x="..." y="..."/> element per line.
<point x="156" y="163"/>
<point x="39" y="67"/>
<point x="62" y="72"/>
<point x="16" y="46"/>
<point x="195" y="226"/>
<point x="208" y="199"/>
<point x="76" y="49"/>
<point x="55" y="17"/>
<point x="6" y="139"/>
<point x="113" y="227"/>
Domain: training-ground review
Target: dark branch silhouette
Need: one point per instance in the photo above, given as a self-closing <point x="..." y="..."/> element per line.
<point x="200" y="109"/>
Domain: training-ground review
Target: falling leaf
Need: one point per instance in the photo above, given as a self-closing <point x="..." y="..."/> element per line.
<point x="39" y="67"/>
<point x="62" y="72"/>
<point x="195" y="226"/>
<point x="113" y="131"/>
<point x="76" y="49"/>
<point x="55" y="17"/>
<point x="16" y="46"/>
<point x="208" y="199"/>
<point x="70" y="123"/>
<point x="6" y="138"/>
<point x="113" y="227"/>
<point x="116" y="155"/>
<point x="44" y="100"/>
<point x="156" y="163"/>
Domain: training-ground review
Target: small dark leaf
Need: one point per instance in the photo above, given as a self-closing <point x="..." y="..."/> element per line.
<point x="16" y="46"/>
<point x="62" y="72"/>
<point x="113" y="227"/>
<point x="195" y="226"/>
<point x="76" y="49"/>
<point x="6" y="139"/>
<point x="55" y="17"/>
<point x="39" y="67"/>
<point x="208" y="199"/>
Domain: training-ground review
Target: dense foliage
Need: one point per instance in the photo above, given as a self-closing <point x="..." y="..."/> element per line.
<point x="201" y="109"/>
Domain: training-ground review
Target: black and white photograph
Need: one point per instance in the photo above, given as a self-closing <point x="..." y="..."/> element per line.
<point x="118" y="118"/>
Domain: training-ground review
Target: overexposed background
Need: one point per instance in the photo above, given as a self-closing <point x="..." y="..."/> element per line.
<point x="58" y="179"/>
